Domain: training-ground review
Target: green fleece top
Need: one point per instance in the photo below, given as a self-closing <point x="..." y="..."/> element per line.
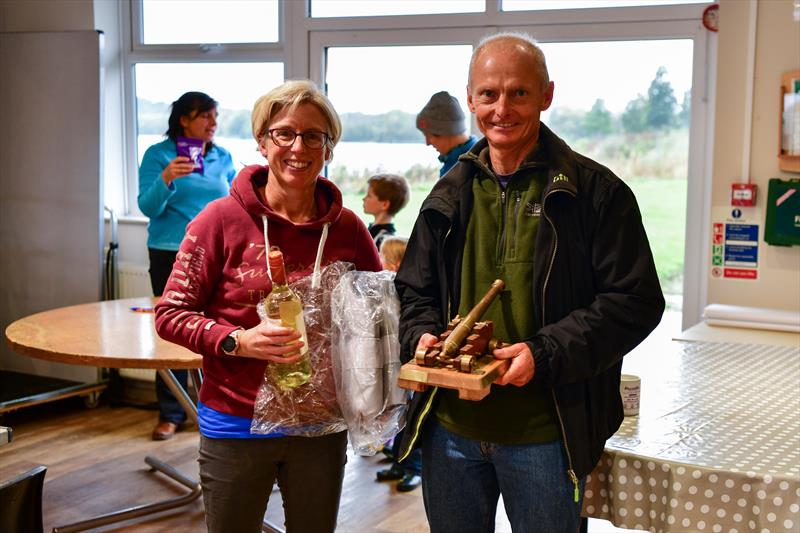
<point x="500" y="241"/>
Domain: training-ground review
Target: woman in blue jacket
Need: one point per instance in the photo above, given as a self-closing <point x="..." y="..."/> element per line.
<point x="171" y="193"/>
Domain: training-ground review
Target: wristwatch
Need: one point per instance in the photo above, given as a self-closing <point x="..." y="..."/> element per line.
<point x="230" y="344"/>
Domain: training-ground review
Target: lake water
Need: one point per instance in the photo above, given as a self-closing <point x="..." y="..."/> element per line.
<point x="388" y="157"/>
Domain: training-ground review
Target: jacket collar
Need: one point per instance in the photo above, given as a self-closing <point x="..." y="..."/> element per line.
<point x="550" y="151"/>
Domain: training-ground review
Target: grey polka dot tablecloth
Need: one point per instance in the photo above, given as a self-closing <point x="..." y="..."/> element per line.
<point x="715" y="447"/>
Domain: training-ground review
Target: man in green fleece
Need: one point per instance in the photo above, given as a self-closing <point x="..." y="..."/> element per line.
<point x="566" y="236"/>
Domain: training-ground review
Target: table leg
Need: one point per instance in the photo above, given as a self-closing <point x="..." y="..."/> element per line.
<point x="151" y="508"/>
<point x="141" y="510"/>
<point x="194" y="487"/>
<point x="179" y="392"/>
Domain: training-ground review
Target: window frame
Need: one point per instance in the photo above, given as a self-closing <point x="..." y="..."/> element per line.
<point x="303" y="40"/>
<point x="136" y="52"/>
<point x="634" y="23"/>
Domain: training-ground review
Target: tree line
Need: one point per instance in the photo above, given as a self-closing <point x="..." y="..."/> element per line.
<point x="658" y="109"/>
<point x="394" y="126"/>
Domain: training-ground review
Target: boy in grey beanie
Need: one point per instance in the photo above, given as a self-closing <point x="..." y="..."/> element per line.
<point x="442" y="122"/>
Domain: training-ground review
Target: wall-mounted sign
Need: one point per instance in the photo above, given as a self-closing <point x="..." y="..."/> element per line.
<point x="734" y="243"/>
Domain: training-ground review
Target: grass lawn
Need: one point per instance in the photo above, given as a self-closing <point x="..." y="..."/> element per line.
<point x="661" y="201"/>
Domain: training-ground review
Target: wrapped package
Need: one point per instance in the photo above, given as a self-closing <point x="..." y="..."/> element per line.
<point x="310" y="410"/>
<point x="365" y="313"/>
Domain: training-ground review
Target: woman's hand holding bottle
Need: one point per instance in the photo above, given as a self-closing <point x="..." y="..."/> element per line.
<point x="270" y="341"/>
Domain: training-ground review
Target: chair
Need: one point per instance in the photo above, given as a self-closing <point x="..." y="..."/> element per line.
<point x="21" y="502"/>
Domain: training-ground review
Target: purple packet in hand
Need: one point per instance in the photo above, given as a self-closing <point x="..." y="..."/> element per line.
<point x="193" y="149"/>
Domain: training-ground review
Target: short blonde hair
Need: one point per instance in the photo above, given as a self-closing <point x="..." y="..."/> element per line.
<point x="393" y="248"/>
<point x="289" y="95"/>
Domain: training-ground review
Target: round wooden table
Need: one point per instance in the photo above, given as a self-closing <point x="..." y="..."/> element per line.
<point x="112" y="334"/>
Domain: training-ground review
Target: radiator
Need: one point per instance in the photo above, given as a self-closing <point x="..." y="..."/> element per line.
<point x="134" y="281"/>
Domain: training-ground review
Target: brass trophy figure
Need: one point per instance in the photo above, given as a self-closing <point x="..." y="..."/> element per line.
<point x="461" y="359"/>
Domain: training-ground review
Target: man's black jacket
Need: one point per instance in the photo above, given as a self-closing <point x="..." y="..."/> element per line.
<point x="595" y="294"/>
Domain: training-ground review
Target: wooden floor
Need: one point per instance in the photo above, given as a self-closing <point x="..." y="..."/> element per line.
<point x="95" y="464"/>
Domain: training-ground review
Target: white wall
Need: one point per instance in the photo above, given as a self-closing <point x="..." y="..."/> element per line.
<point x="737" y="158"/>
<point x="67" y="15"/>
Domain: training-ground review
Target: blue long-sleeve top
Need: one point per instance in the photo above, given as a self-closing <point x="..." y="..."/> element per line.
<point x="451" y="158"/>
<point x="171" y="207"/>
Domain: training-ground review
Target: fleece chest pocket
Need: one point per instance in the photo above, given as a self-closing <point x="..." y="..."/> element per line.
<point x="523" y="215"/>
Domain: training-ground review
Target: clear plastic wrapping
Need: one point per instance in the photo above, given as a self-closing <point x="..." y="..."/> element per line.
<point x="365" y="313"/>
<point x="310" y="410"/>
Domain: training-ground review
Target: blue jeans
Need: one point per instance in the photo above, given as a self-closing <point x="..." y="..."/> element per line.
<point x="169" y="410"/>
<point x="462" y="480"/>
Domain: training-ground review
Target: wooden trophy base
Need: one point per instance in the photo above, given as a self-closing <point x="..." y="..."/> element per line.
<point x="473" y="386"/>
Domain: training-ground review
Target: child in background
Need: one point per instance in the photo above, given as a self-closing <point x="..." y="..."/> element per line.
<point x="391" y="252"/>
<point x="409" y="471"/>
<point x="386" y="195"/>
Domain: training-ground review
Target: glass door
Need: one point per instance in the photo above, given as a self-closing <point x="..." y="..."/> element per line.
<point x="631" y="95"/>
<point x="636" y="122"/>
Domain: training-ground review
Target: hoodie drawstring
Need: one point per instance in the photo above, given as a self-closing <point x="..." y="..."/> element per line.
<point x="317" y="276"/>
<point x="315" y="280"/>
<point x="266" y="246"/>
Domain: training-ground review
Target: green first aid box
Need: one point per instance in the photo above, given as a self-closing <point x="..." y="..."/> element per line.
<point x="783" y="212"/>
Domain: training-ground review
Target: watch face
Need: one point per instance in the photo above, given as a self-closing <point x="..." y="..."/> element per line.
<point x="229" y="344"/>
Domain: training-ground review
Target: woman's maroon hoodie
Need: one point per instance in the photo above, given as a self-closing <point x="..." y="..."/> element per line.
<point x="220" y="274"/>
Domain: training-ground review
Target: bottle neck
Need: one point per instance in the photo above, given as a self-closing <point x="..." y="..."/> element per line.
<point x="276" y="267"/>
<point x="279" y="287"/>
<point x="278" y="277"/>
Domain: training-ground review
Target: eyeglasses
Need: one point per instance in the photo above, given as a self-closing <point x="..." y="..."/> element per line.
<point x="312" y="139"/>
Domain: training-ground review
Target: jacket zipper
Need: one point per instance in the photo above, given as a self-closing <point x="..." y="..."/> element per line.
<point x="424" y="413"/>
<point x="514" y="222"/>
<point x="570" y="468"/>
<point x="420" y="420"/>
<point x="501" y="242"/>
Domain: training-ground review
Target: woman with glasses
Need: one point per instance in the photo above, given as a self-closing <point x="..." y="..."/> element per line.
<point x="209" y="306"/>
<point x="172" y="190"/>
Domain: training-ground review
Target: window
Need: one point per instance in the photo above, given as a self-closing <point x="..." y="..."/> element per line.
<point x="636" y="122"/>
<point x="231" y="21"/>
<point x="231" y="50"/>
<point x="379" y="117"/>
<point x="380" y="58"/>
<point x="159" y="84"/>
<point x="536" y="5"/>
<point x="364" y="8"/>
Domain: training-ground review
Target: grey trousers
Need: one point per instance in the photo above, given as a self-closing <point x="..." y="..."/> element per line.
<point x="237" y="476"/>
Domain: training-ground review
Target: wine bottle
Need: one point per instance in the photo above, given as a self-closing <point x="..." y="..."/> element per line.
<point x="283" y="304"/>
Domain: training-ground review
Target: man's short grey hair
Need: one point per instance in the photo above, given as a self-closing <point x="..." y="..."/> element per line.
<point x="526" y="40"/>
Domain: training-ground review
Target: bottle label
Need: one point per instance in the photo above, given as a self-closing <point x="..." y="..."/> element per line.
<point x="291" y="313"/>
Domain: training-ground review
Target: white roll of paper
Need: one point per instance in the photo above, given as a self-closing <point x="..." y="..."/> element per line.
<point x="752" y="317"/>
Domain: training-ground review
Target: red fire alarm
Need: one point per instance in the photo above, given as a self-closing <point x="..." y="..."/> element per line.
<point x="743" y="194"/>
